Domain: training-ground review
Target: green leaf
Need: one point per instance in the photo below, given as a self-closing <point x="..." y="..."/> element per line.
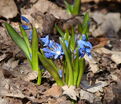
<point x="69" y="7"/>
<point x="85" y="25"/>
<point x="68" y="60"/>
<point x="72" y="40"/>
<point x="18" y="40"/>
<point x="59" y="30"/>
<point x="81" y="70"/>
<point x="86" y="18"/>
<point x="35" y="50"/>
<point x="76" y="67"/>
<point x="76" y="7"/>
<point x="67" y="36"/>
<point x="51" y="68"/>
<point x="25" y="37"/>
<point x="80" y="28"/>
<point x="47" y="63"/>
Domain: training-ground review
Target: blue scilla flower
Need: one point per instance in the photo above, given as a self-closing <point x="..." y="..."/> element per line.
<point x="25" y="27"/>
<point x="84" y="46"/>
<point x="52" y="49"/>
<point x="25" y="19"/>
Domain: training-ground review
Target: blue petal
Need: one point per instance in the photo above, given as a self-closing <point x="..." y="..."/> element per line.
<point x="30" y="35"/>
<point x="47" y="50"/>
<point x="56" y="56"/>
<point x="45" y="40"/>
<point x="89" y="44"/>
<point x="84" y="37"/>
<point x="51" y="44"/>
<point x="48" y="55"/>
<point x="81" y="52"/>
<point x="81" y="43"/>
<point x="58" y="47"/>
<point x="88" y="50"/>
<point x="25" y="19"/>
<point x="25" y="27"/>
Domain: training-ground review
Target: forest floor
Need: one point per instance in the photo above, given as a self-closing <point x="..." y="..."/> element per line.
<point x="101" y="83"/>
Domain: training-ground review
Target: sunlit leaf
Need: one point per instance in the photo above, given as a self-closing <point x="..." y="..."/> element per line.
<point x="81" y="70"/>
<point x="18" y="40"/>
<point x="35" y="50"/>
<point x="85" y="25"/>
<point x="68" y="60"/>
<point x="69" y="7"/>
<point x="76" y="7"/>
<point x="25" y="37"/>
<point x="50" y="67"/>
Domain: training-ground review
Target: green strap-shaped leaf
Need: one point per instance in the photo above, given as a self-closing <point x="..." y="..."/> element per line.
<point x="49" y="65"/>
<point x="60" y="31"/>
<point x="76" y="66"/>
<point x="25" y="37"/>
<point x="67" y="35"/>
<point x="72" y="39"/>
<point x="81" y="70"/>
<point x="68" y="60"/>
<point x="85" y="25"/>
<point x="76" y="7"/>
<point x="18" y="40"/>
<point x="69" y="7"/>
<point x="35" y="50"/>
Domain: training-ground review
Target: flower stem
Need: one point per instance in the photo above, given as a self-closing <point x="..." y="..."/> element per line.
<point x="68" y="60"/>
<point x="76" y="70"/>
<point x="39" y="77"/>
<point x="82" y="68"/>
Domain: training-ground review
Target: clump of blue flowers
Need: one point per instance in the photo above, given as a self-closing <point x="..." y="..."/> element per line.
<point x="73" y="64"/>
<point x="69" y="52"/>
<point x="54" y="50"/>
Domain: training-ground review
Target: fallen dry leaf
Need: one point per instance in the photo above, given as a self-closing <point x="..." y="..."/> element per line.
<point x="8" y="8"/>
<point x="97" y="87"/>
<point x="92" y="64"/>
<point x="87" y="96"/>
<point x="70" y="91"/>
<point x="54" y="91"/>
